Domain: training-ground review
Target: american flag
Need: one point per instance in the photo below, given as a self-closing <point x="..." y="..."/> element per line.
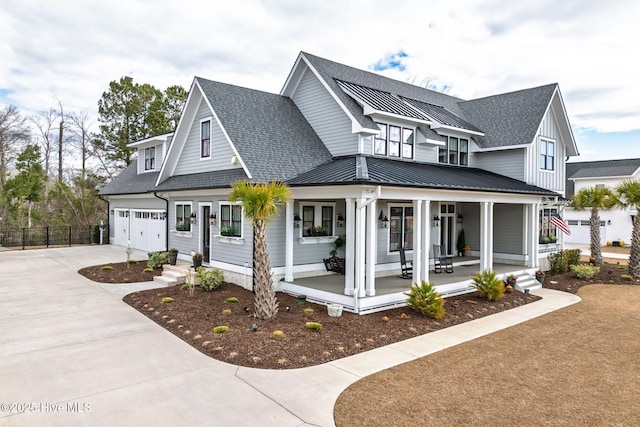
<point x="557" y="220"/>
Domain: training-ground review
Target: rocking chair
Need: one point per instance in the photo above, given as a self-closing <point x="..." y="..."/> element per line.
<point x="405" y="266"/>
<point x="441" y="259"/>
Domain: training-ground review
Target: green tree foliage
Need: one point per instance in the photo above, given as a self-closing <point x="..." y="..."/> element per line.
<point x="77" y="204"/>
<point x="594" y="198"/>
<point x="129" y="112"/>
<point x="27" y="187"/>
<point x="628" y="195"/>
<point x="260" y="202"/>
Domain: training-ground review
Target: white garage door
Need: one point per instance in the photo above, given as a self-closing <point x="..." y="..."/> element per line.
<point x="580" y="232"/>
<point x="148" y="230"/>
<point x="121" y="224"/>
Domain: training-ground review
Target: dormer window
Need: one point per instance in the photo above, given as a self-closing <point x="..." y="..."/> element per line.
<point x="205" y="139"/>
<point x="454" y="152"/>
<point x="150" y="158"/>
<point x="394" y="141"/>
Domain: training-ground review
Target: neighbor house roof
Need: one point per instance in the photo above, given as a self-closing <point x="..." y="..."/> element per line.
<point x="271" y="135"/>
<point x="129" y="181"/>
<point x="383" y="171"/>
<point x="622" y="168"/>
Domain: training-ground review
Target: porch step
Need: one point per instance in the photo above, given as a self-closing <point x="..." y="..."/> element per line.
<point x="527" y="283"/>
<point x="171" y="277"/>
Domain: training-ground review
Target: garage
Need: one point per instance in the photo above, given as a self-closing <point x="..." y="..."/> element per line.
<point x="144" y="228"/>
<point x="581" y="234"/>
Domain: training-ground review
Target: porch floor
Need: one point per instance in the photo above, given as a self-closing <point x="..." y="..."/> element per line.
<point x="334" y="283"/>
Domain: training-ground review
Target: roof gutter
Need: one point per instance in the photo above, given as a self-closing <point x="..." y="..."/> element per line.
<point x="166" y="220"/>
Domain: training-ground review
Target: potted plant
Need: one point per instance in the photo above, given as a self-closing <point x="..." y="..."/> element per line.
<point x="182" y="226"/>
<point x="337" y="244"/>
<point x="544" y="240"/>
<point x="226" y="230"/>
<point x="173" y="256"/>
<point x="467" y="250"/>
<point x="540" y="276"/>
<point x="197" y="260"/>
<point x="319" y="231"/>
<point x="511" y="279"/>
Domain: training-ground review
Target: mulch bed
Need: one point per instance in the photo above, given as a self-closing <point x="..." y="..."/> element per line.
<point x="192" y="318"/>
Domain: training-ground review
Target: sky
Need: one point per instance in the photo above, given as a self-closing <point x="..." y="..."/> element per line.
<point x="69" y="51"/>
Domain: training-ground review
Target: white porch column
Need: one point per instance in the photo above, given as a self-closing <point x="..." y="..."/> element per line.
<point x="350" y="247"/>
<point x="532" y="235"/>
<point x="360" y="236"/>
<point x="486" y="236"/>
<point x="371" y="248"/>
<point x="288" y="263"/>
<point x="426" y="237"/>
<point x="417" y="241"/>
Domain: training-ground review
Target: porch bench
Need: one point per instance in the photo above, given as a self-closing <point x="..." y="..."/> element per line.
<point x="334" y="264"/>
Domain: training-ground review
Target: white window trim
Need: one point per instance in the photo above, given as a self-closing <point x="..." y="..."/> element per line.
<point x="143" y="155"/>
<point x="210" y="120"/>
<point x="387" y="155"/>
<point x="555" y="158"/>
<point x="175" y="213"/>
<point x="317" y="221"/>
<point x="445" y="146"/>
<point x="387" y="212"/>
<point x="237" y="240"/>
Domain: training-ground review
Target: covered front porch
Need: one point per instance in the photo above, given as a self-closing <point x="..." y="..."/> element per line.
<point x="330" y="289"/>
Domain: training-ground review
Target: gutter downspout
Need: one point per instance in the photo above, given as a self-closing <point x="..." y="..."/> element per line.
<point x="166" y="220"/>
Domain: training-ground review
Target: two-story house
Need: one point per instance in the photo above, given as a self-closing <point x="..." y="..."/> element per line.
<point x="616" y="224"/>
<point x="386" y="164"/>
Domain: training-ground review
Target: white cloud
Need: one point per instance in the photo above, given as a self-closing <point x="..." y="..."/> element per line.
<point x="71" y="50"/>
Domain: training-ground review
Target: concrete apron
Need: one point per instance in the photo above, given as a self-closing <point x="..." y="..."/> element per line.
<point x="72" y="353"/>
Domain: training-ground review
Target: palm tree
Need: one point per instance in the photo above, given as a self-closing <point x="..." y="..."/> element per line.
<point x="260" y="202"/>
<point x="628" y="195"/>
<point x="594" y="198"/>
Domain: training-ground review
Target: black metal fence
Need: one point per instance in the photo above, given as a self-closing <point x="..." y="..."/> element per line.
<point x="53" y="236"/>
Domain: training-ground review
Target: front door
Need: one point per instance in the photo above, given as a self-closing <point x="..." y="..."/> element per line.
<point x="205" y="233"/>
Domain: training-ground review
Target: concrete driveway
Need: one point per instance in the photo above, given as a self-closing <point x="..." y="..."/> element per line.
<point x="72" y="353"/>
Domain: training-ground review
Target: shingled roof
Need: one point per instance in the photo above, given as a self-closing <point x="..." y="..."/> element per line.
<point x="272" y="137"/>
<point x="622" y="168"/>
<point x="129" y="181"/>
<point x="363" y="169"/>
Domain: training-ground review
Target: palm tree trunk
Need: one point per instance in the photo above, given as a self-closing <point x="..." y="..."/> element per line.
<point x="594" y="224"/>
<point x="634" y="256"/>
<point x="265" y="302"/>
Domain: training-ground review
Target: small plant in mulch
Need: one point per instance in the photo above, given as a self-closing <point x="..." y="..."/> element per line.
<point x="424" y="299"/>
<point x="231" y="299"/>
<point x="313" y="326"/>
<point x="308" y="311"/>
<point x="148" y="270"/>
<point x="226" y="312"/>
<point x="220" y="329"/>
<point x="107" y="268"/>
<point x="488" y="285"/>
<point x="167" y="300"/>
<point x="584" y="271"/>
<point x="209" y="278"/>
<point x="626" y="277"/>
<point x="277" y="335"/>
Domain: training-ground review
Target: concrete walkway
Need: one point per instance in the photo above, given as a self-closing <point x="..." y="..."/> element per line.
<point x="72" y="353"/>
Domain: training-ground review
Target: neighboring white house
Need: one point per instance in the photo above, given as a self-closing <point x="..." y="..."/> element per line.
<point x="615" y="224"/>
<point x="386" y="164"/>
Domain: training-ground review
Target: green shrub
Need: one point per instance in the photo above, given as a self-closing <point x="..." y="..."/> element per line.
<point x="488" y="285"/>
<point x="209" y="278"/>
<point x="584" y="271"/>
<point x="148" y="270"/>
<point x="231" y="299"/>
<point x="107" y="268"/>
<point x="308" y="311"/>
<point x="278" y="335"/>
<point x="424" y="299"/>
<point x="226" y="312"/>
<point x="158" y="259"/>
<point x="167" y="300"/>
<point x="626" y="277"/>
<point x="313" y="326"/>
<point x="558" y="262"/>
<point x="220" y="329"/>
<point x="573" y="256"/>
<point x="132" y="261"/>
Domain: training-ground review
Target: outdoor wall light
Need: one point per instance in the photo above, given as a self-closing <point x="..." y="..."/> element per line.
<point x="383" y="220"/>
<point x="460" y="218"/>
<point x="296" y="221"/>
<point x="193" y="218"/>
<point x="436" y="221"/>
<point x="212" y="219"/>
<point x="340" y="220"/>
<point x="609" y="222"/>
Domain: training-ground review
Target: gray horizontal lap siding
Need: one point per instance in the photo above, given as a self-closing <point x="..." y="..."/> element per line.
<point x="509" y="163"/>
<point x="325" y="116"/>
<point x="508" y="226"/>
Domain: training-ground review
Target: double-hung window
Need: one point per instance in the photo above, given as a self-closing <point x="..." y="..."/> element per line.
<point x="455" y="151"/>
<point x="150" y="158"/>
<point x="231" y="219"/>
<point x="205" y="139"/>
<point x="394" y="141"/>
<point x="547" y="155"/>
<point x="183" y="216"/>
<point x="318" y="219"/>
<point x="400" y="228"/>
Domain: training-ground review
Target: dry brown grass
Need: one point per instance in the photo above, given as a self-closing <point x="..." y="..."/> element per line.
<point x="576" y="366"/>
